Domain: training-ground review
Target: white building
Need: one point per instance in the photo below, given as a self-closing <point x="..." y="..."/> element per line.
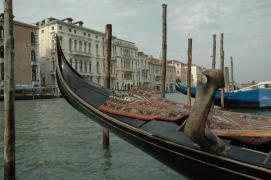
<point x="84" y="49"/>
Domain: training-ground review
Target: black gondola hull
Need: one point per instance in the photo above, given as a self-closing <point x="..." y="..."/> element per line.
<point x="185" y="161"/>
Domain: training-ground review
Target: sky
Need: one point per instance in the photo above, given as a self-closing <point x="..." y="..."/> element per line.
<point x="246" y="26"/>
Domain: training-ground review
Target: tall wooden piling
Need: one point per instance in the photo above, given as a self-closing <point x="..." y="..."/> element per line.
<point x="232" y="81"/>
<point x="189" y="64"/>
<point x="107" y="64"/>
<point x="227" y="79"/>
<point x="214" y="51"/>
<point x="9" y="116"/>
<point x="164" y="49"/>
<point x="222" y="66"/>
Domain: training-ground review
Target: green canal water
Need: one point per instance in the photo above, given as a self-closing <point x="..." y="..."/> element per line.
<point x="54" y="141"/>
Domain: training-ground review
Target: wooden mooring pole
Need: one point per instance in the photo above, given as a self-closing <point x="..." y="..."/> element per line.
<point x="107" y="64"/>
<point x="222" y="67"/>
<point x="214" y="51"/>
<point x="164" y="49"/>
<point x="189" y="64"/>
<point x="232" y="81"/>
<point x="9" y="115"/>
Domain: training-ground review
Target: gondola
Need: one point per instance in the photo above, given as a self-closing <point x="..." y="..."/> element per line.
<point x="256" y="96"/>
<point x="159" y="135"/>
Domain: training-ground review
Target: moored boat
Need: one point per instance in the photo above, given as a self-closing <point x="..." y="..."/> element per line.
<point x="256" y="96"/>
<point x="153" y="124"/>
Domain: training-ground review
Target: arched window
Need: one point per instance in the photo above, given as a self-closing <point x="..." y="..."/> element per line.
<point x="33" y="56"/>
<point x="71" y="62"/>
<point x="32" y="38"/>
<point x="1" y="52"/>
<point x="1" y="32"/>
<point x="34" y="73"/>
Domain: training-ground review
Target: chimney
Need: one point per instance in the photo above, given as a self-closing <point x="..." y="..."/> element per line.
<point x="67" y="20"/>
<point x="79" y="23"/>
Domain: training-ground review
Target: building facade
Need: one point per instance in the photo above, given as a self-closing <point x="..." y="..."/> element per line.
<point x="127" y="65"/>
<point x="155" y="70"/>
<point x="144" y="71"/>
<point x="180" y="69"/>
<point x="84" y="49"/>
<point x="26" y="62"/>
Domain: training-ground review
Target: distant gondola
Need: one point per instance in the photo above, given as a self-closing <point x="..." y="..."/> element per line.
<point x="156" y="132"/>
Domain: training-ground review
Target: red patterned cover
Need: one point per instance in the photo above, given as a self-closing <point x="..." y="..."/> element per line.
<point x="143" y="105"/>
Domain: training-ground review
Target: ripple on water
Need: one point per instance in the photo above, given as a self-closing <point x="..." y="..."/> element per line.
<point x="54" y="141"/>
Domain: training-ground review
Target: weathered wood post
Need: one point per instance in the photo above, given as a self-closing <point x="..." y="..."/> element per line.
<point x="227" y="79"/>
<point x="9" y="116"/>
<point x="214" y="51"/>
<point x="107" y="55"/>
<point x="222" y="66"/>
<point x="164" y="49"/>
<point x="232" y="81"/>
<point x="189" y="64"/>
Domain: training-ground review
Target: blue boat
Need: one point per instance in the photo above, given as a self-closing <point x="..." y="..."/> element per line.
<point x="255" y="96"/>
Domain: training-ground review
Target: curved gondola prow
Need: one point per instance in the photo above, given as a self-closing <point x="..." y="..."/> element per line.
<point x="88" y="91"/>
<point x="61" y="56"/>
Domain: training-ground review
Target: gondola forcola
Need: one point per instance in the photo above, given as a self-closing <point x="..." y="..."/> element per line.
<point x="195" y="126"/>
<point x="151" y="123"/>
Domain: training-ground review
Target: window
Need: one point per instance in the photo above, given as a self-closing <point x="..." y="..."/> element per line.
<point x="32" y="38"/>
<point x="42" y="31"/>
<point x="80" y="46"/>
<point x="70" y="44"/>
<point x="85" y="46"/>
<point x="1" y="32"/>
<point x="86" y="68"/>
<point x="60" y="27"/>
<point x="34" y="73"/>
<point x="84" y="34"/>
<point x="71" y="62"/>
<point x="33" y="56"/>
<point x="2" y="71"/>
<point x="2" y="52"/>
<point x="89" y="48"/>
<point x="96" y="37"/>
<point x="53" y="28"/>
<point x="89" y="66"/>
<point x="75" y="64"/>
<point x="80" y="65"/>
<point x="97" y="65"/>
<point x="60" y="40"/>
<point x="74" y="31"/>
<point x="88" y="35"/>
<point x="75" y="45"/>
<point x="70" y="30"/>
<point x="97" y="49"/>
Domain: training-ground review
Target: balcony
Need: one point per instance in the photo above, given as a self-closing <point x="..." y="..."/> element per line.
<point x="80" y="53"/>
